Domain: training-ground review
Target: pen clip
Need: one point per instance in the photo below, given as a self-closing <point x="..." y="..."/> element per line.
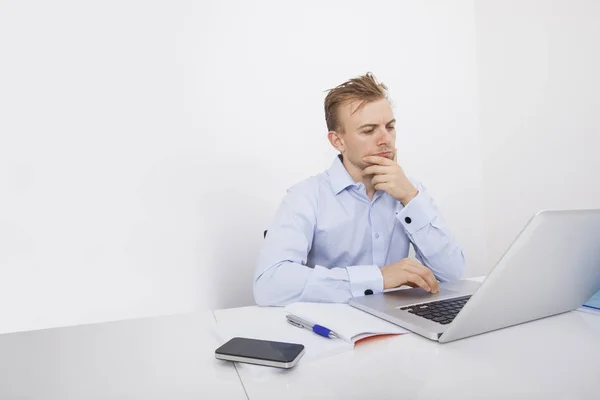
<point x="295" y="323"/>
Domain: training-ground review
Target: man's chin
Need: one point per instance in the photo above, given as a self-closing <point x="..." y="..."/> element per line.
<point x="359" y="164"/>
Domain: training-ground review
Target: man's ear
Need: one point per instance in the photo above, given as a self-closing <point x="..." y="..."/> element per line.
<point x="336" y="141"/>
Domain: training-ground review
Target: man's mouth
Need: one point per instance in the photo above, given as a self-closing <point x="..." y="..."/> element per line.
<point x="386" y="154"/>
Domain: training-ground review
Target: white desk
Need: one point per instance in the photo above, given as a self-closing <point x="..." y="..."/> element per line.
<point x="169" y="357"/>
<point x="172" y="357"/>
<point x="553" y="358"/>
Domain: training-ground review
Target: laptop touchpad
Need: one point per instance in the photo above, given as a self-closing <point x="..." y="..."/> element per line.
<point x="405" y="297"/>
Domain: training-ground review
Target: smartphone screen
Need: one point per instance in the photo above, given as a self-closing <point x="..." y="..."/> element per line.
<point x="261" y="349"/>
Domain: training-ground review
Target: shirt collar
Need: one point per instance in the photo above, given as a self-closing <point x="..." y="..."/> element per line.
<point x="338" y="176"/>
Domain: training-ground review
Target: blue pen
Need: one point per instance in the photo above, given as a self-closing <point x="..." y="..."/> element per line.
<point x="318" y="329"/>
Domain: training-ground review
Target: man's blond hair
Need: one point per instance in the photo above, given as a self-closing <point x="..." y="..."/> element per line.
<point x="364" y="87"/>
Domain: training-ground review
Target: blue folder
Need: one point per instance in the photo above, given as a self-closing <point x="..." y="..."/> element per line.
<point x="594" y="301"/>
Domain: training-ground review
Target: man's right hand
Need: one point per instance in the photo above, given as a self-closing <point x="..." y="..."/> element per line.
<point x="409" y="272"/>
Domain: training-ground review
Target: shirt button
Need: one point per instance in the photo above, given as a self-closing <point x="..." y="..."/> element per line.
<point x="377" y="236"/>
<point x="368" y="292"/>
<point x="407" y="220"/>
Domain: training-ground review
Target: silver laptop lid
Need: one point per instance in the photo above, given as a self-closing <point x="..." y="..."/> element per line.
<point x="552" y="267"/>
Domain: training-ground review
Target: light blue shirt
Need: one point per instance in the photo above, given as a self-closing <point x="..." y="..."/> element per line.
<point x="327" y="241"/>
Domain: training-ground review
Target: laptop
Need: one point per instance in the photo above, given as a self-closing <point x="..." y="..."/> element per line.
<point x="552" y="267"/>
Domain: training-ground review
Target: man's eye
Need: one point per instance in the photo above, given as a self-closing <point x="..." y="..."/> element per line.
<point x="391" y="128"/>
<point x="370" y="131"/>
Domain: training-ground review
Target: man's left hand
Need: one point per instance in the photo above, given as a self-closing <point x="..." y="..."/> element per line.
<point x="389" y="177"/>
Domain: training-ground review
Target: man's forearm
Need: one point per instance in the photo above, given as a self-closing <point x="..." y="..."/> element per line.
<point x="287" y="282"/>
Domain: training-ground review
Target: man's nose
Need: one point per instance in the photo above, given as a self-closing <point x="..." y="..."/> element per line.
<point x="384" y="136"/>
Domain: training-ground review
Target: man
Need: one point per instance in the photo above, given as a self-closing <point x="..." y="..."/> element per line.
<point x="346" y="232"/>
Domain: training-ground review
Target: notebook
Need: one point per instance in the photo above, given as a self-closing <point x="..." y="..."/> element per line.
<point x="270" y="323"/>
<point x="349" y="323"/>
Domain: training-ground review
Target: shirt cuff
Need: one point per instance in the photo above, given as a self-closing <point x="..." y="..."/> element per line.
<point x="418" y="213"/>
<point x="365" y="279"/>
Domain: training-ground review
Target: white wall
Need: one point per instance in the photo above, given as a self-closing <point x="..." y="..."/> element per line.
<point x="101" y="213"/>
<point x="144" y="146"/>
<point x="539" y="84"/>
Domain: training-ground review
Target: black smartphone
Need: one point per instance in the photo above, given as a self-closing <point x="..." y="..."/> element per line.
<point x="261" y="352"/>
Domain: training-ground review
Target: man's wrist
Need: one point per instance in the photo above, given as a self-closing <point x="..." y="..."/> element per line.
<point x="407" y="199"/>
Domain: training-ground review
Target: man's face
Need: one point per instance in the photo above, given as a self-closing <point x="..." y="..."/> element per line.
<point x="369" y="131"/>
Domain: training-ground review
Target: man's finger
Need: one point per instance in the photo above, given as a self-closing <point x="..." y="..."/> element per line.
<point x="376" y="170"/>
<point x="425" y="273"/>
<point x="384" y="187"/>
<point x="415" y="278"/>
<point x="380" y="179"/>
<point x="378" y="160"/>
<point x="431" y="282"/>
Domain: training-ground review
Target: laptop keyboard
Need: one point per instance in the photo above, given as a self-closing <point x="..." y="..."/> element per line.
<point x="442" y="311"/>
